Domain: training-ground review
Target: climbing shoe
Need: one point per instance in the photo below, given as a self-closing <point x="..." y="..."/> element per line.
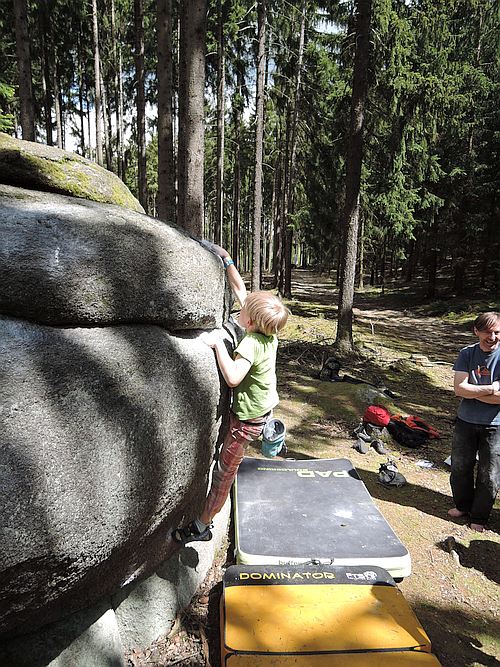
<point x="378" y="446"/>
<point x="361" y="446"/>
<point x="190" y="533"/>
<point x="389" y="475"/>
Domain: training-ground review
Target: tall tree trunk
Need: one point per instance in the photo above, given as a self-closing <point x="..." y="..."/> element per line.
<point x="383" y="261"/>
<point x="492" y="238"/>
<point x="361" y="284"/>
<point x="140" y="102"/>
<point x="46" y="77"/>
<point x="26" y="101"/>
<point x="97" y="75"/>
<point x="221" y="91"/>
<point x="165" y="201"/>
<point x="89" y="124"/>
<point x="269" y="267"/>
<point x="107" y="127"/>
<point x="411" y="261"/>
<point x="191" y="115"/>
<point x="116" y="91"/>
<point x="237" y="114"/>
<point x="119" y="121"/>
<point x="80" y="94"/>
<point x="293" y="153"/>
<point x="280" y="210"/>
<point x="57" y="106"/>
<point x="432" y="258"/>
<point x="350" y="218"/>
<point x="259" y="143"/>
<point x="284" y="201"/>
<point x="275" y="219"/>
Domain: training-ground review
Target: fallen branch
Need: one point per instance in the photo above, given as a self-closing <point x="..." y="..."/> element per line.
<point x="184" y="657"/>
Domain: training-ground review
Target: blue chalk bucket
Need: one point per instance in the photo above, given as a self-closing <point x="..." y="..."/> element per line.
<point x="273" y="438"/>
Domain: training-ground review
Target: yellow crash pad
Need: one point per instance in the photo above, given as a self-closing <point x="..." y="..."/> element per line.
<point x="318" y="615"/>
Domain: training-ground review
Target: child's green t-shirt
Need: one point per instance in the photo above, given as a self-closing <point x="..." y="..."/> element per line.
<point x="256" y="394"/>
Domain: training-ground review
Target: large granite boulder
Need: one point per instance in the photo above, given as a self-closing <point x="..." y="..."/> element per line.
<point x="68" y="261"/>
<point x="110" y="405"/>
<point x="42" y="167"/>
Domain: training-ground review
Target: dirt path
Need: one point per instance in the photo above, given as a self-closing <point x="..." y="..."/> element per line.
<point x="455" y="595"/>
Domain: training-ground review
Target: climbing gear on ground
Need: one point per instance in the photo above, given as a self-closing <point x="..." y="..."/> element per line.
<point x="411" y="431"/>
<point x="330" y="373"/>
<point x="190" y="533"/>
<point x="330" y="370"/>
<point x="273" y="438"/>
<point x="377" y="415"/>
<point x="369" y="432"/>
<point x="360" y="433"/>
<point x="389" y="475"/>
<point x="378" y="446"/>
<point x="361" y="446"/>
<point x="418" y="425"/>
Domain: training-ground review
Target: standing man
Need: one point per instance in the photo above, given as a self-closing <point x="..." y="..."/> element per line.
<point x="477" y="429"/>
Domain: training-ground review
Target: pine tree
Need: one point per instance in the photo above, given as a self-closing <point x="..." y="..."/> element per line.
<point x="344" y="340"/>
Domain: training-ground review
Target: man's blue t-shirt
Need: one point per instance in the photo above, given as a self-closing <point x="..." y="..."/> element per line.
<point x="483" y="368"/>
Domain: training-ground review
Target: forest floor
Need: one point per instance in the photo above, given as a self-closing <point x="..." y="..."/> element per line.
<point x="453" y="588"/>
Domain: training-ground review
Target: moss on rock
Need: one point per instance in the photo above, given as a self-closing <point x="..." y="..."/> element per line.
<point x="40" y="167"/>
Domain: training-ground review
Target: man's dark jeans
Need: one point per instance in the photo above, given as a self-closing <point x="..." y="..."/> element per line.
<point x="475" y="497"/>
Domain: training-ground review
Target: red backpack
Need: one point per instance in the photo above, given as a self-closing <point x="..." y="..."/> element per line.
<point x="377" y="415"/>
<point x="417" y="425"/>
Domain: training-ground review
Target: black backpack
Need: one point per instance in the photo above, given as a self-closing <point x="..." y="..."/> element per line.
<point x="405" y="435"/>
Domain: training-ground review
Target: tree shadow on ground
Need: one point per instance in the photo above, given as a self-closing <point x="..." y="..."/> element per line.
<point x="460" y="647"/>
<point x="480" y="555"/>
<point x="420" y="497"/>
<point x="254" y="449"/>
<point x="311" y="286"/>
<point x="299" y="365"/>
<point x="393" y="316"/>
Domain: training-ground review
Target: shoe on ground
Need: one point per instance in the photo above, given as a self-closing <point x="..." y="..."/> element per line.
<point x="361" y="446"/>
<point x="388" y="475"/>
<point x="378" y="446"/>
<point x="360" y="428"/>
<point x="363" y="435"/>
<point x="372" y="430"/>
<point x="456" y="513"/>
<point x="190" y="533"/>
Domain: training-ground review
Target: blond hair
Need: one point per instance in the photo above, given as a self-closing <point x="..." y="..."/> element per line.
<point x="267" y="312"/>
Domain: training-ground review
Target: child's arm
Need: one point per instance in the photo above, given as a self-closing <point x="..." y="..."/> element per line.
<point x="237" y="284"/>
<point x="235" y="280"/>
<point x="233" y="370"/>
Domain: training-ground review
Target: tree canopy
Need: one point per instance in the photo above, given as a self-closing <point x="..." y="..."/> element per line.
<point x="429" y="184"/>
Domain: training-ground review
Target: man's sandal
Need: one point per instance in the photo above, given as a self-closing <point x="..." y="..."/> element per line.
<point x="190" y="533"/>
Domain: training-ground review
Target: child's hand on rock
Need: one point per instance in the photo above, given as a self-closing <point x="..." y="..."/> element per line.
<point x="211" y="338"/>
<point x="216" y="249"/>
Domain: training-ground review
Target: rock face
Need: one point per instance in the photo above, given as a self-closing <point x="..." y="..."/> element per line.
<point x="68" y="261"/>
<point x="106" y="429"/>
<point x="41" y="167"/>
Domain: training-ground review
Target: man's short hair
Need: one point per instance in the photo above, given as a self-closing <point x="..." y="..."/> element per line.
<point x="267" y="312"/>
<point x="487" y="321"/>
